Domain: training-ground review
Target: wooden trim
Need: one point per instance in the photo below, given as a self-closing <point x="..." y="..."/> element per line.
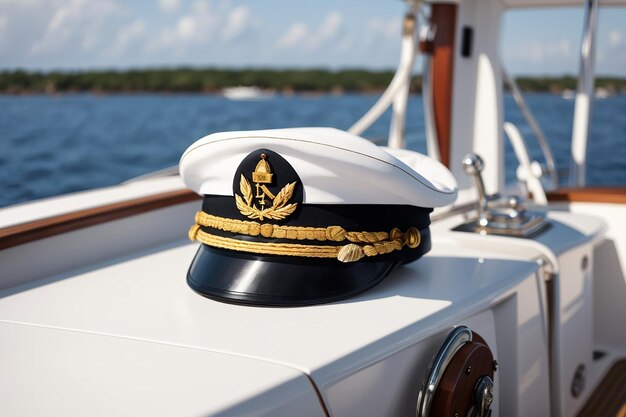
<point x="40" y="229"/>
<point x="615" y="195"/>
<point x="442" y="67"/>
<point x="609" y="397"/>
<point x="52" y="226"/>
<point x="454" y="394"/>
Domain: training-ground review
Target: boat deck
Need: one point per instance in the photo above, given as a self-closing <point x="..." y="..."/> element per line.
<point x="609" y="397"/>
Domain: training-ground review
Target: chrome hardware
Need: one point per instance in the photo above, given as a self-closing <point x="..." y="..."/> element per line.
<point x="497" y="214"/>
<point x="483" y="396"/>
<point x="578" y="382"/>
<point x="473" y="165"/>
<point x="455" y="340"/>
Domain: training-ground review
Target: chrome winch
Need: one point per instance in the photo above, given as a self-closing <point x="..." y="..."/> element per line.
<point x="497" y="214"/>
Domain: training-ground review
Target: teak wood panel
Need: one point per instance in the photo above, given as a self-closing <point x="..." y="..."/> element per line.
<point x="609" y="397"/>
<point x="615" y="195"/>
<point x="442" y="67"/>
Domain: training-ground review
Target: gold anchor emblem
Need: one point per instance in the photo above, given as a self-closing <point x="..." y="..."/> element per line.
<point x="263" y="175"/>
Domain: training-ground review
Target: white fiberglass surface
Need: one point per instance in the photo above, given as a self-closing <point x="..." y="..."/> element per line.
<point x="80" y="374"/>
<point x="147" y="298"/>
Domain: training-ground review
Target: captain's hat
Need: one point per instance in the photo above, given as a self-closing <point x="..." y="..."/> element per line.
<point x="305" y="216"/>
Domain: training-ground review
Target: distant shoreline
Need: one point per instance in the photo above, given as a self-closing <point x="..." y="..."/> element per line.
<point x="212" y="81"/>
<point x="299" y="94"/>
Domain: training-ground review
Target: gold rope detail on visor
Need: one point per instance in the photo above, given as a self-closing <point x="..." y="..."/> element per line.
<point x="347" y="253"/>
<point x="332" y="233"/>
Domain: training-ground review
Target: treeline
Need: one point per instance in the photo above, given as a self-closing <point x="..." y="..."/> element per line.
<point x="214" y="80"/>
<point x="193" y="80"/>
<point x="558" y="84"/>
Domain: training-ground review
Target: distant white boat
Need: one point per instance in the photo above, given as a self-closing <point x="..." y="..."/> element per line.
<point x="602" y="93"/>
<point x="599" y="92"/>
<point x="247" y="93"/>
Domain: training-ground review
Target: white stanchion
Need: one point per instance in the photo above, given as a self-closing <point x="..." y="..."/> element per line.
<point x="525" y="172"/>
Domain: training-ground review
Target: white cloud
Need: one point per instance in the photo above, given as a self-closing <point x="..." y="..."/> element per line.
<point x="345" y="44"/>
<point x="23" y="22"/>
<point x="328" y="30"/>
<point x="612" y="59"/>
<point x="77" y="22"/>
<point x="335" y="41"/>
<point x="193" y="28"/>
<point x="541" y="52"/>
<point x="128" y="35"/>
<point x="169" y="5"/>
<point x="379" y="40"/>
<point x="542" y="56"/>
<point x="105" y="33"/>
<point x="295" y="35"/>
<point x="300" y="36"/>
<point x="238" y="20"/>
<point x="380" y="35"/>
<point x="385" y="28"/>
<point x="186" y="27"/>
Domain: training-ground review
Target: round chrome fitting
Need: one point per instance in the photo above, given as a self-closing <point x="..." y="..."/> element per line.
<point x="483" y="396"/>
<point x="458" y="337"/>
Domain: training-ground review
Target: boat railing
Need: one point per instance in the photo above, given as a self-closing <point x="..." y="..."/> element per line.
<point x="397" y="91"/>
<point x="432" y="142"/>
<point x="582" y="108"/>
<point x="529" y="172"/>
<point x="584" y="95"/>
<point x="530" y="119"/>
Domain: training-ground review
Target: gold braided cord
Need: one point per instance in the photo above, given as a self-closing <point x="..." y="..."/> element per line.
<point x="251" y="228"/>
<point x="288" y="249"/>
<point x="347" y="253"/>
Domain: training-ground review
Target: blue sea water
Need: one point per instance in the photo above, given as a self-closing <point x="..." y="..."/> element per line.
<point x="51" y="145"/>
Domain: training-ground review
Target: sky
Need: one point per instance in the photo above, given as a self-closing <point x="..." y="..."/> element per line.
<point x="118" y="34"/>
